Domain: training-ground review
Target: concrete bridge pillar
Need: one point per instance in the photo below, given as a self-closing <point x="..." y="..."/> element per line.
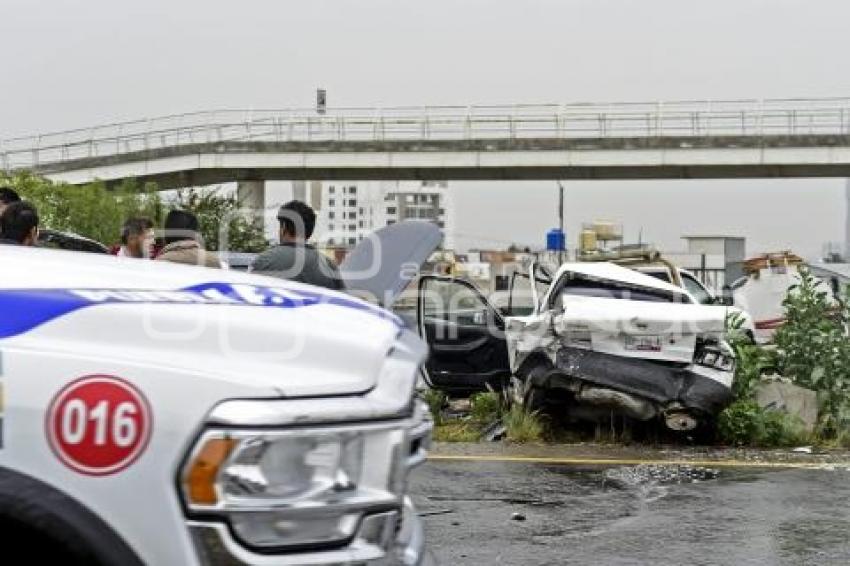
<point x="252" y="195"/>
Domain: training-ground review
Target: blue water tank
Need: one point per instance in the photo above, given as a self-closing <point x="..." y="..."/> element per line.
<point x="556" y="240"/>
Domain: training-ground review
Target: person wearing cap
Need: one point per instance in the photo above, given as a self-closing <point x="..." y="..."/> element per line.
<point x="294" y="258"/>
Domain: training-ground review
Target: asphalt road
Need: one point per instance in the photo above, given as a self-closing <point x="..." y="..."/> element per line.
<point x="655" y="514"/>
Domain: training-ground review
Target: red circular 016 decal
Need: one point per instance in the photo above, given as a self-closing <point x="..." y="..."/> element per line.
<point x="99" y="425"/>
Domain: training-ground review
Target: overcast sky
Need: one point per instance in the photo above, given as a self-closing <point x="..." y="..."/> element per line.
<point x="82" y="62"/>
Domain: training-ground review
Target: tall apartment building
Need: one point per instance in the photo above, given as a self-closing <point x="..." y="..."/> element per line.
<point x="348" y="211"/>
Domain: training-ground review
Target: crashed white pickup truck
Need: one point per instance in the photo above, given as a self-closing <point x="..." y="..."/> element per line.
<point x="596" y="336"/>
<point x="162" y="414"/>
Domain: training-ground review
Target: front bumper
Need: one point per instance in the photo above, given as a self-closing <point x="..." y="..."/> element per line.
<point x="215" y="546"/>
<point x="386" y="533"/>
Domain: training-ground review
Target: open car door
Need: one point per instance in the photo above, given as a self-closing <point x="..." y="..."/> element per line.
<point x="465" y="335"/>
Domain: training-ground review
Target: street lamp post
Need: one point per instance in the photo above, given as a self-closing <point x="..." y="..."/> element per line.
<point x="561" y="222"/>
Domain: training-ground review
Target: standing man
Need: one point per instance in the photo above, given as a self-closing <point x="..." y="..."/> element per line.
<point x="294" y="258"/>
<point x="182" y="241"/>
<point x="19" y="224"/>
<point x="7" y="197"/>
<point x="136" y="238"/>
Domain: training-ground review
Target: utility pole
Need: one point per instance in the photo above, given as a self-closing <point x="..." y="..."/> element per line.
<point x="561" y="222"/>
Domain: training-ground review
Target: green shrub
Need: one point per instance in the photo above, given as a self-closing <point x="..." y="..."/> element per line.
<point x="813" y="349"/>
<point x="98" y="213"/>
<point x="485" y="407"/>
<point x="744" y="423"/>
<point x="90" y="210"/>
<point x="435" y="400"/>
<point x="738" y="424"/>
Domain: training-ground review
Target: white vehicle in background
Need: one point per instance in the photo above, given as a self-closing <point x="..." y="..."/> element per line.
<point x="597" y="338"/>
<point x="763" y="288"/>
<point x="169" y="415"/>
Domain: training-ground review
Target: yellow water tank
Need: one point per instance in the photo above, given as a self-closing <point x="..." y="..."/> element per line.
<point x="605" y="230"/>
<point x="588" y="241"/>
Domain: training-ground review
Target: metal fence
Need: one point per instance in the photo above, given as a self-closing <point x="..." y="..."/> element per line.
<point x="789" y="117"/>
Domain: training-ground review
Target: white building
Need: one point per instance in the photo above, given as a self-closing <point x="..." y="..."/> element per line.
<point x="348" y="211"/>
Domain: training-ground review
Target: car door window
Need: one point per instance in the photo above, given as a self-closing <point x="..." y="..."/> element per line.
<point x="521" y="298"/>
<point x="454" y="302"/>
<point x="696" y="290"/>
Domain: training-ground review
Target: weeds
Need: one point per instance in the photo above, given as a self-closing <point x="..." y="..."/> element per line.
<point x="744" y="423"/>
<point x="435" y="400"/>
<point x="523" y="425"/>
<point x="457" y="431"/>
<point x="486" y="407"/>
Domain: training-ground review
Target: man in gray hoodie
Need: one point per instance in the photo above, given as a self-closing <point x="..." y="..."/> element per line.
<point x="294" y="258"/>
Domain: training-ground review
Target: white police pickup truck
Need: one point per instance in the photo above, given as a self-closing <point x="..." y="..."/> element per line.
<point x="170" y="415"/>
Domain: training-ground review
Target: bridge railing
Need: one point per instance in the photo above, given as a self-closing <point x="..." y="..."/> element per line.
<point x="789" y="117"/>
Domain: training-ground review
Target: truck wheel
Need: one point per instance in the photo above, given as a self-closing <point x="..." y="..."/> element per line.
<point x="535" y="399"/>
<point x="533" y="394"/>
<point x="49" y="527"/>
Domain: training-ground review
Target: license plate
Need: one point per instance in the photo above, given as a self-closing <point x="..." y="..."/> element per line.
<point x="643" y="343"/>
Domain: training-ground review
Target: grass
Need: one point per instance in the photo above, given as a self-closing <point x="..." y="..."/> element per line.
<point x="485" y="409"/>
<point x="457" y="431"/>
<point x="523" y="425"/>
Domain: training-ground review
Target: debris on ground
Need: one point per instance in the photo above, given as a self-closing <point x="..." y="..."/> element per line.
<point x="436" y="512"/>
<point x="459" y="406"/>
<point x="494" y="432"/>
<point x="517" y="517"/>
<point x="802" y="450"/>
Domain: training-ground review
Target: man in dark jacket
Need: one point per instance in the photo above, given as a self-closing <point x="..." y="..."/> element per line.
<point x="8" y="195"/>
<point x="19" y="224"/>
<point x="294" y="258"/>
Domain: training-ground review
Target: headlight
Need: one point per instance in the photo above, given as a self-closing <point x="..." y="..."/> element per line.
<point x="297" y="487"/>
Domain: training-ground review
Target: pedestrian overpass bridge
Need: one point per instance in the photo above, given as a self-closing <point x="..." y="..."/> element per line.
<point x="660" y="140"/>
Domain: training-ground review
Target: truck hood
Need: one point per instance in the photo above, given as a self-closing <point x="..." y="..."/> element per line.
<point x="383" y="264"/>
<point x="281" y="338"/>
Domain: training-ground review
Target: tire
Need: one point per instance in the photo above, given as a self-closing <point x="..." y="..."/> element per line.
<point x="48" y="527"/>
<point x="533" y="394"/>
<point x="535" y="399"/>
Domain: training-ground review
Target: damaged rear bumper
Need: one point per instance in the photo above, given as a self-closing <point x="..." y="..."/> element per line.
<point x="692" y="387"/>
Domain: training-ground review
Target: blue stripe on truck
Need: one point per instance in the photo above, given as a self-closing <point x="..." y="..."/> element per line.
<point x="21" y="310"/>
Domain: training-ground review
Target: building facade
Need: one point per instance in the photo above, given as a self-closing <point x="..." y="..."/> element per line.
<point x="349" y="211"/>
